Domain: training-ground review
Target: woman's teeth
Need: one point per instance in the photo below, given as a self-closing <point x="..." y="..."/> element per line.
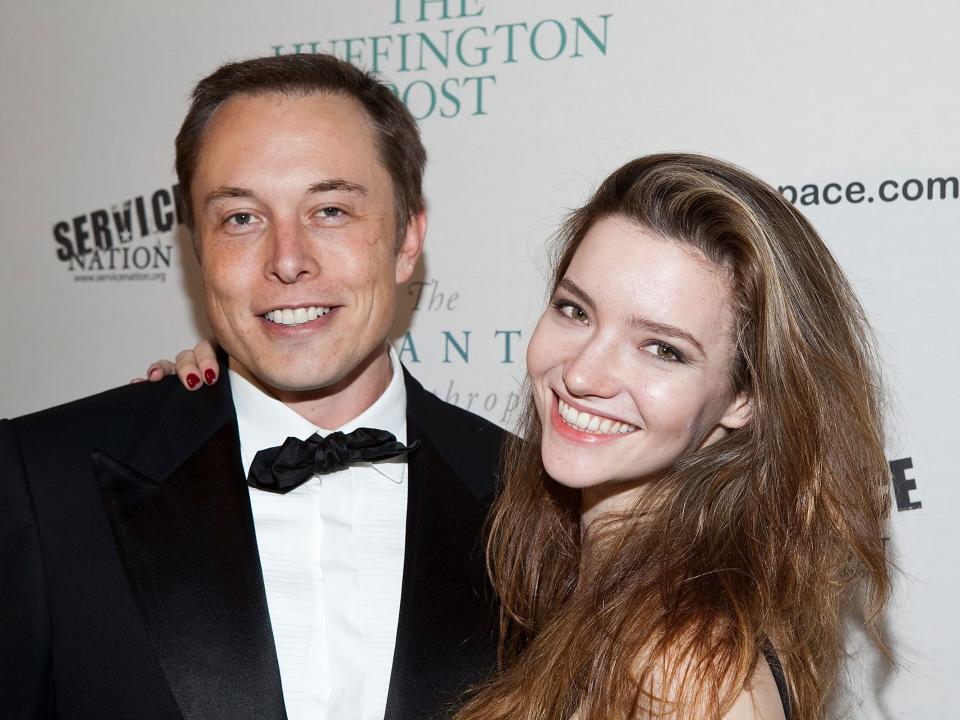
<point x="592" y="423"/>
<point x="297" y="316"/>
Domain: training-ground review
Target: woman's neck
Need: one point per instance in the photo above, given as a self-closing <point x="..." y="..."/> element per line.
<point x="611" y="500"/>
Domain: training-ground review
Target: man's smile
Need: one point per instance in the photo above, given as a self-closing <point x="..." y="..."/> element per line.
<point x="296" y="316"/>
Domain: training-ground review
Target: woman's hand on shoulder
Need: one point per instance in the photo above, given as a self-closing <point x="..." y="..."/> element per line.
<point x="195" y="367"/>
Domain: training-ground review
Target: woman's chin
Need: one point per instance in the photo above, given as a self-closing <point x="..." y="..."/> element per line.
<point x="572" y="475"/>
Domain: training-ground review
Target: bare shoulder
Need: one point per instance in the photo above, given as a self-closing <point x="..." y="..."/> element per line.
<point x="760" y="699"/>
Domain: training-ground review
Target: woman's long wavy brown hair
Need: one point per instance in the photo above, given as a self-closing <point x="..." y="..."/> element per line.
<point x="766" y="536"/>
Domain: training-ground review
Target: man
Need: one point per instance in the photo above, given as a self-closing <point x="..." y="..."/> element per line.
<point x="141" y="577"/>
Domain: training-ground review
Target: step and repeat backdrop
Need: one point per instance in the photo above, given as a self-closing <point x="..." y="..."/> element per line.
<point x="851" y="108"/>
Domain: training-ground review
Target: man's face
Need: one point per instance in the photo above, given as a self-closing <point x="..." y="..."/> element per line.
<point x="297" y="242"/>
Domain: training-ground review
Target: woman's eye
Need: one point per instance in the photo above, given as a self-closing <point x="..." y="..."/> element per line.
<point x="572" y="311"/>
<point x="664" y="352"/>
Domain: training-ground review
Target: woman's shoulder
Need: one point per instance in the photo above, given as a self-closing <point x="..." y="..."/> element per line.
<point x="760" y="699"/>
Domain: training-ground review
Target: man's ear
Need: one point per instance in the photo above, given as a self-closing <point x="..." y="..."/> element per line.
<point x="411" y="246"/>
<point x="738" y="413"/>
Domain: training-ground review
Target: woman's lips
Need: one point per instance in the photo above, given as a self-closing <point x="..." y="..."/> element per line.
<point x="586" y="427"/>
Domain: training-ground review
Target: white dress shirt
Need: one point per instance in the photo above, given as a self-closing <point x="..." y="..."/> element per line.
<point x="332" y="558"/>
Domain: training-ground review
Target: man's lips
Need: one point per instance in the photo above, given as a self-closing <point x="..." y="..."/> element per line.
<point x="294" y="316"/>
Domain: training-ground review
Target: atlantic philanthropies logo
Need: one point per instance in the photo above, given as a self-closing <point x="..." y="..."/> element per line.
<point x="130" y="240"/>
<point x="457" y="51"/>
<point x="450" y="347"/>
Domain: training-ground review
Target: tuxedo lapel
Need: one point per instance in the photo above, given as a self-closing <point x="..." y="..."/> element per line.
<point x="445" y="633"/>
<point x="184" y="532"/>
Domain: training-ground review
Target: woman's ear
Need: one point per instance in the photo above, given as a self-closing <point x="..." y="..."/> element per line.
<point x="738" y="413"/>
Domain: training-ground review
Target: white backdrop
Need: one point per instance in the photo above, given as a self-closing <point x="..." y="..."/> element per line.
<point x="850" y="106"/>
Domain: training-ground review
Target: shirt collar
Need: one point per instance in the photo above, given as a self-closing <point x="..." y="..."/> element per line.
<point x="263" y="421"/>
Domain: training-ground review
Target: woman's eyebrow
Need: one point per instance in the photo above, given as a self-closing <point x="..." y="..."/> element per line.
<point x="578" y="292"/>
<point x="664" y="329"/>
<point x="636" y="321"/>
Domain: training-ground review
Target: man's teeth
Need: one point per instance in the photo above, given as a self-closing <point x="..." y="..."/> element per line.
<point x="592" y="423"/>
<point x="296" y="316"/>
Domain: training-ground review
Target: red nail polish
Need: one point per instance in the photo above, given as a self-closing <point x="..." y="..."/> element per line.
<point x="210" y="376"/>
<point x="193" y="380"/>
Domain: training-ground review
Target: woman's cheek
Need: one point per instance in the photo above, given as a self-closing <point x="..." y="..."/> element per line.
<point x="662" y="401"/>
<point x="540" y="349"/>
<point x="654" y="391"/>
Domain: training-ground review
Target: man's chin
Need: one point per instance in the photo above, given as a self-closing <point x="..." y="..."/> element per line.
<point x="304" y="379"/>
<point x="287" y="380"/>
<point x="306" y="385"/>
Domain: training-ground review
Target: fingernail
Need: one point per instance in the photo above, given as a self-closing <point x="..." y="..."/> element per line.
<point x="193" y="380"/>
<point x="152" y="372"/>
<point x="210" y="376"/>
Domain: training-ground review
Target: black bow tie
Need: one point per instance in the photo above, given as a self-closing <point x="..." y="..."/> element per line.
<point x="281" y="469"/>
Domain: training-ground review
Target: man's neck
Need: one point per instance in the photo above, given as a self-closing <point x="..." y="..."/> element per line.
<point x="337" y="404"/>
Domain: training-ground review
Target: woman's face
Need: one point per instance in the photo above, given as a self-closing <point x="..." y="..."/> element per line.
<point x="630" y="363"/>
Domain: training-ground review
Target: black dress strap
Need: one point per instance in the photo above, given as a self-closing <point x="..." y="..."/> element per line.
<point x="778" y="677"/>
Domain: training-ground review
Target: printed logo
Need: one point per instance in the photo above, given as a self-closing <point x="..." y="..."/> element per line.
<point x="886" y="191"/>
<point x="445" y="58"/>
<point x="130" y="240"/>
<point x="452" y="348"/>
<point x="902" y="485"/>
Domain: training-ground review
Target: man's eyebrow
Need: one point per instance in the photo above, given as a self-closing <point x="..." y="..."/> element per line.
<point x="226" y="191"/>
<point x="636" y="321"/>
<point x="233" y="191"/>
<point x="337" y="184"/>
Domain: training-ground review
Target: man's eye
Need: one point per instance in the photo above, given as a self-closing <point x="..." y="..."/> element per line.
<point x="241" y="219"/>
<point x="331" y="212"/>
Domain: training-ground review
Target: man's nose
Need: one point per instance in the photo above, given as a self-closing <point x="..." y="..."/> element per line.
<point x="292" y="252"/>
<point x="593" y="371"/>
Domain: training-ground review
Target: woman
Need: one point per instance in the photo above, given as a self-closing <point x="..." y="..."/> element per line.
<point x="701" y="488"/>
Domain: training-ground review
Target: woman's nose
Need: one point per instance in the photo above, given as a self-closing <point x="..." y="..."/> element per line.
<point x="593" y="370"/>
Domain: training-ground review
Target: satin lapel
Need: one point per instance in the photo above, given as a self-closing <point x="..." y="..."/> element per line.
<point x="187" y="545"/>
<point x="445" y="633"/>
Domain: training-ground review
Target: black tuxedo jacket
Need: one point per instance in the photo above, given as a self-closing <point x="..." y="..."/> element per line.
<point x="130" y="583"/>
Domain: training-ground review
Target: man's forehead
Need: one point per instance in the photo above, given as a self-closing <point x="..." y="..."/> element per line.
<point x="325" y="105"/>
<point x="338" y="118"/>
